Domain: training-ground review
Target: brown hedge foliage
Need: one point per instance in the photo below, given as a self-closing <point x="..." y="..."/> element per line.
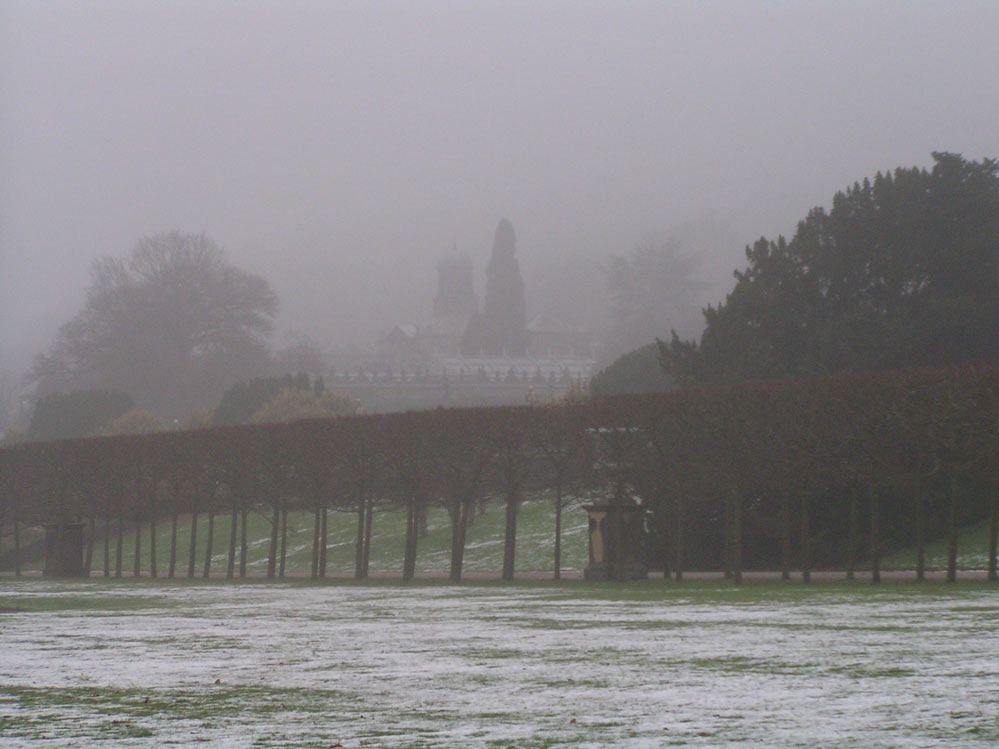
<point x="699" y="459"/>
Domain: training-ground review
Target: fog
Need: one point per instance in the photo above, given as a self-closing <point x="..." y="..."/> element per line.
<point x="340" y="149"/>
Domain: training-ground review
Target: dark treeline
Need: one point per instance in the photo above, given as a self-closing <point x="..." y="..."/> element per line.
<point x="789" y="475"/>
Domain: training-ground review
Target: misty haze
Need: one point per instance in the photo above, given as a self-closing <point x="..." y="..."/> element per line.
<point x="340" y="151"/>
<point x="519" y="373"/>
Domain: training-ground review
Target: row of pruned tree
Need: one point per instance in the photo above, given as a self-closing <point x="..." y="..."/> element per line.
<point x="783" y="475"/>
<point x="452" y="458"/>
<point x="815" y="472"/>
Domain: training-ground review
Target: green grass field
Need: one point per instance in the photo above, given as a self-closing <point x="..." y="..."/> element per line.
<point x="972" y="545"/>
<point x="149" y="663"/>
<point x="483" y="555"/>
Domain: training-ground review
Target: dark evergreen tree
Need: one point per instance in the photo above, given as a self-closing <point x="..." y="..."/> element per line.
<point x="240" y="402"/>
<point x="902" y="271"/>
<point x="636" y="372"/>
<point x="501" y="328"/>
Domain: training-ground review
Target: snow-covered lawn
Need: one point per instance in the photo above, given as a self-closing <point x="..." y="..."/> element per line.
<point x="534" y="665"/>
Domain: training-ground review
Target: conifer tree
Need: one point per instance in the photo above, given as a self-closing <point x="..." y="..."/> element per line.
<point x="501" y="328"/>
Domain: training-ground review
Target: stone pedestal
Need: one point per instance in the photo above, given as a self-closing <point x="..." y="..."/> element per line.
<point x="64" y="550"/>
<point x="616" y="536"/>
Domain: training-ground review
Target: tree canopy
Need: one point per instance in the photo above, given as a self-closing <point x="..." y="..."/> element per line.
<point x="172" y="326"/>
<point x="651" y="290"/>
<point x="136" y="421"/>
<point x="637" y="371"/>
<point x="77" y="414"/>
<point x="901" y="271"/>
<point x="275" y="399"/>
<point x="292" y="404"/>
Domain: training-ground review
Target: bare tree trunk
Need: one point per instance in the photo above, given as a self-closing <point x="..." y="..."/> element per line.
<point x="409" y="559"/>
<point x="284" y="539"/>
<point x="152" y="544"/>
<point x="211" y="542"/>
<point x="558" y="530"/>
<point x="785" y="534"/>
<point x="89" y="558"/>
<point x="194" y="544"/>
<point x="243" y="546"/>
<point x="851" y="550"/>
<point x="230" y="568"/>
<point x="993" y="573"/>
<point x="107" y="545"/>
<point x="955" y="490"/>
<point x="17" y="549"/>
<point x="737" y="538"/>
<point x="920" y="531"/>
<point x="359" y="538"/>
<point x="323" y="539"/>
<point x="510" y="535"/>
<point x="118" y="547"/>
<point x="619" y="535"/>
<point x="173" y="546"/>
<point x="137" y="567"/>
<point x="875" y="497"/>
<point x="727" y="538"/>
<point x="369" y="517"/>
<point x="667" y="542"/>
<point x="680" y="536"/>
<point x="806" y="538"/>
<point x="459" y="525"/>
<point x="272" y="551"/>
<point x="316" y="521"/>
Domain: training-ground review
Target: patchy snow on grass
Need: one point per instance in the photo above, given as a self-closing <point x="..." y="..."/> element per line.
<point x="645" y="665"/>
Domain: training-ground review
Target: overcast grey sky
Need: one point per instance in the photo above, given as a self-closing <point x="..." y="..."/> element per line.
<point x="339" y="149"/>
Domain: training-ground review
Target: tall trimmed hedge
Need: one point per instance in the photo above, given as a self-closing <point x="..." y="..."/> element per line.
<point x="779" y="475"/>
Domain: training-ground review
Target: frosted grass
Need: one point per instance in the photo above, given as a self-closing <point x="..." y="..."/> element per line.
<point x="262" y="665"/>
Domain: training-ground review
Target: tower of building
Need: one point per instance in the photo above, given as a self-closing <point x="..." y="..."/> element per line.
<point x="455" y="298"/>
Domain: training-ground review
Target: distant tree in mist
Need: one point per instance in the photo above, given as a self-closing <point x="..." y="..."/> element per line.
<point x="637" y="371"/>
<point x="292" y="404"/>
<point x="79" y="413"/>
<point x="240" y="402"/>
<point x="501" y="328"/>
<point x="301" y="355"/>
<point x="136" y="421"/>
<point x="902" y="271"/>
<point x="172" y="326"/>
<point x="10" y="388"/>
<point x="652" y="291"/>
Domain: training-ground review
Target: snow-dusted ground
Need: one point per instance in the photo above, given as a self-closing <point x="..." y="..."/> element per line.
<point x="145" y="664"/>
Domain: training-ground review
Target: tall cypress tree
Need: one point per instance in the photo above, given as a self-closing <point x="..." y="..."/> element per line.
<point x="501" y="328"/>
